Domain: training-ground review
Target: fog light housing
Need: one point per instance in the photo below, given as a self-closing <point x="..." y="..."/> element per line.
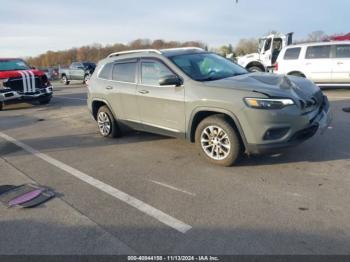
<point x="275" y="133"/>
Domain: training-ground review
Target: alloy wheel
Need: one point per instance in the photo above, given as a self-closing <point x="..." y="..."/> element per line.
<point x="104" y="123"/>
<point x="215" y="142"/>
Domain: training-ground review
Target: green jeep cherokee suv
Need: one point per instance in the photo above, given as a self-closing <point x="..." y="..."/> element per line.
<point x="205" y="98"/>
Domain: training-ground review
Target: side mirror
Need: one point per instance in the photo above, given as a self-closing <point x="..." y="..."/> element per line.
<point x="170" y="80"/>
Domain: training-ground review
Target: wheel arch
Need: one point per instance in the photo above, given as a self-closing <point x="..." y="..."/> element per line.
<point x="200" y="113"/>
<point x="295" y="72"/>
<point x="96" y="104"/>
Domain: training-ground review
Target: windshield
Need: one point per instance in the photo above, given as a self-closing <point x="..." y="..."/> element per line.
<point x="261" y="44"/>
<point x="89" y="65"/>
<point x="207" y="66"/>
<point x="13" y="64"/>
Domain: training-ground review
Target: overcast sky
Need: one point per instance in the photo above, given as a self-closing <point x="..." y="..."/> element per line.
<point x="32" y="27"/>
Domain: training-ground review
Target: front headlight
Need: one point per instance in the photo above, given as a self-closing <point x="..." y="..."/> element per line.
<point x="2" y="83"/>
<point x="268" y="103"/>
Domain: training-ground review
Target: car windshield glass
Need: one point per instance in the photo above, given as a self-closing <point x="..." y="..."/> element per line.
<point x="13" y="64"/>
<point x="207" y="66"/>
<point x="261" y="43"/>
<point x="89" y="65"/>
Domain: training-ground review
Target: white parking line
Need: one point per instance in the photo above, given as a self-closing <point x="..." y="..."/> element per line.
<point x="73" y="98"/>
<point x="130" y="200"/>
<point x="172" y="187"/>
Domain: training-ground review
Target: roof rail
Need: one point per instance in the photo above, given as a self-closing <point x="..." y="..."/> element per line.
<point x="154" y="50"/>
<point x="183" y="48"/>
<point x="135" y="51"/>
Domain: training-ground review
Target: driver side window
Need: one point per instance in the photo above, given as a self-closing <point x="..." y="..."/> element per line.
<point x="267" y="44"/>
<point x="152" y="71"/>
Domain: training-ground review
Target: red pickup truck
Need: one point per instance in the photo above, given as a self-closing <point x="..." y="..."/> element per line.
<point x="21" y="83"/>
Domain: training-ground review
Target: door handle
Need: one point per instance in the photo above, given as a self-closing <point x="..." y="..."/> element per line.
<point x="143" y="92"/>
<point x="340" y="63"/>
<point x="109" y="87"/>
<point x="308" y="64"/>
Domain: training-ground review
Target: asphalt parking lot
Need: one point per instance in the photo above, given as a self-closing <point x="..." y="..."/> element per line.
<point x="150" y="194"/>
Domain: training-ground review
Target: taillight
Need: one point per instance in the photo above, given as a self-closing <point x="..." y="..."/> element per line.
<point x="276" y="67"/>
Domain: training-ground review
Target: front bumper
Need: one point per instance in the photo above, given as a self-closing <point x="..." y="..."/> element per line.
<point x="8" y="96"/>
<point x="312" y="124"/>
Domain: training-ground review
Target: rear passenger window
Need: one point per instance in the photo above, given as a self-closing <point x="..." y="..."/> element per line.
<point x="318" y="52"/>
<point x="342" y="51"/>
<point x="292" y="53"/>
<point x="106" y="72"/>
<point x="124" y="72"/>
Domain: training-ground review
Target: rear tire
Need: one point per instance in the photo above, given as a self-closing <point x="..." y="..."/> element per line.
<point x="107" y="125"/>
<point x="218" y="141"/>
<point x="1" y="106"/>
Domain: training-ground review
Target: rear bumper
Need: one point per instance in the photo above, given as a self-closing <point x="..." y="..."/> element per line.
<point x="318" y="124"/>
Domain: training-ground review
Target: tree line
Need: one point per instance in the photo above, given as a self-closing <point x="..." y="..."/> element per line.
<point x="96" y="52"/>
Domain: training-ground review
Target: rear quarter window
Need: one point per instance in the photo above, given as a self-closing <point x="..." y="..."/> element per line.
<point x="292" y="53"/>
<point x="106" y="72"/>
<point x="318" y="52"/>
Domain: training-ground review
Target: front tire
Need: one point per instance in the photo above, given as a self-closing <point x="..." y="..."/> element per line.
<point x="298" y="74"/>
<point x="1" y="106"/>
<point x="255" y="69"/>
<point x="106" y="123"/>
<point x="218" y="141"/>
<point x="65" y="80"/>
<point x="86" y="79"/>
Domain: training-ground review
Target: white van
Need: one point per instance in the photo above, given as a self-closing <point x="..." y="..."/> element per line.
<point x="326" y="63"/>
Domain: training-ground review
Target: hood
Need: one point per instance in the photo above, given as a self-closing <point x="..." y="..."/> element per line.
<point x="252" y="56"/>
<point x="18" y="73"/>
<point x="272" y="85"/>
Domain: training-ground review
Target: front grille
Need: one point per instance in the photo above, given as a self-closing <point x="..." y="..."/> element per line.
<point x="16" y="84"/>
<point x="305" y="133"/>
